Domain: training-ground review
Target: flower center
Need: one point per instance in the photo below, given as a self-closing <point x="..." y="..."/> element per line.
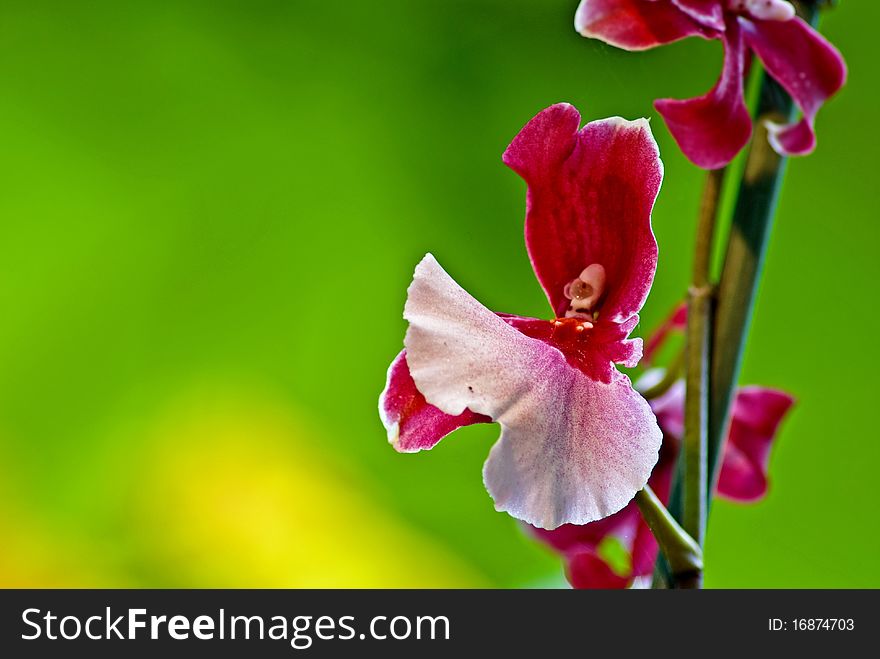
<point x="585" y="292"/>
<point x="569" y="329"/>
<point x="765" y="10"/>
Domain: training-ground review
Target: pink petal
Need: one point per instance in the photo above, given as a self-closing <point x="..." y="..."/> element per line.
<point x="809" y="68"/>
<point x="571" y="450"/>
<point x="709" y="13"/>
<point x="412" y="424"/>
<point x="669" y="410"/>
<point x="712" y="129"/>
<point x="589" y="201"/>
<point x="676" y="322"/>
<point x="636" y="24"/>
<point x="757" y="413"/>
<point x="755" y="418"/>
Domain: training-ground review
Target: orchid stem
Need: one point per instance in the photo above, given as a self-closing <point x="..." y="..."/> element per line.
<point x="697" y="363"/>
<point x="706" y="226"/>
<point x="682" y="552"/>
<point x="750" y="230"/>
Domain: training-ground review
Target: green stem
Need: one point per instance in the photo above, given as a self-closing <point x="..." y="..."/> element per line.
<point x="683" y="554"/>
<point x="697" y="361"/>
<point x="750" y="230"/>
<point x="706" y="227"/>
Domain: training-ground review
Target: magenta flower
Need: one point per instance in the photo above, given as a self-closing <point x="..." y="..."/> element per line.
<point x="712" y="129"/>
<point x="590" y="549"/>
<point x="577" y="441"/>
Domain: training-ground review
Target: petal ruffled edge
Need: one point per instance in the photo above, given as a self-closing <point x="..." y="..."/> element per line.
<point x="582" y="545"/>
<point x="578" y="456"/>
<point x="636" y="24"/>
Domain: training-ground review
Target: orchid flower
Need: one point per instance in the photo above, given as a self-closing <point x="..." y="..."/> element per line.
<point x="577" y="442"/>
<point x="712" y="129"/>
<point x="755" y="419"/>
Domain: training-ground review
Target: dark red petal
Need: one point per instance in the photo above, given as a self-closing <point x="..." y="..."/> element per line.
<point x="709" y="13"/>
<point x="412" y="424"/>
<point x="809" y="68"/>
<point x="579" y="544"/>
<point x="589" y="570"/>
<point x="757" y="413"/>
<point x="712" y="129"/>
<point x="576" y="538"/>
<point x="590" y="197"/>
<point x="636" y="24"/>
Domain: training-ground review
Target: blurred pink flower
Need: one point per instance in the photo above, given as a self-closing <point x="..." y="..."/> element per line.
<point x="577" y="441"/>
<point x="756" y="415"/>
<point x="712" y="129"/>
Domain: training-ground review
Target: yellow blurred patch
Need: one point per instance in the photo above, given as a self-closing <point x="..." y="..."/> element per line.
<point x="235" y="492"/>
<point x="33" y="554"/>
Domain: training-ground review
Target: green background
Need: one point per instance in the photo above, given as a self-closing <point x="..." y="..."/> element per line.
<point x="210" y="214"/>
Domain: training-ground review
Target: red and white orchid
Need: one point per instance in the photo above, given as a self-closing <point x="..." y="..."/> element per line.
<point x="756" y="415"/>
<point x="712" y="129"/>
<point x="577" y="441"/>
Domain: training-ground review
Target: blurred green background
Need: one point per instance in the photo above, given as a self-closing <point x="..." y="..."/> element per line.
<point x="210" y="214"/>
